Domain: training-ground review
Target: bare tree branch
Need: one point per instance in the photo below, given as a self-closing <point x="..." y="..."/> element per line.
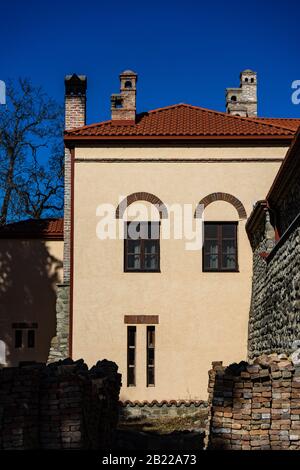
<point x="31" y="154"/>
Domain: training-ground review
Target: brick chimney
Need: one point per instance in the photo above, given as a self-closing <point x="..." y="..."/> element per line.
<point x="75" y="101"/>
<point x="75" y="116"/>
<point x="123" y="105"/>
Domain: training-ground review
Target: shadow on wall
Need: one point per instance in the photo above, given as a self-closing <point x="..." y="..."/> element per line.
<point x="28" y="277"/>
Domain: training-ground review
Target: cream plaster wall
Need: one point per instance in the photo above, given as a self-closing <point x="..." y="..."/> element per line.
<point x="29" y="272"/>
<point x="203" y="317"/>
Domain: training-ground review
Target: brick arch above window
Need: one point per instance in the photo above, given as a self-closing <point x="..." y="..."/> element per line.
<point x="141" y="196"/>
<point x="213" y="197"/>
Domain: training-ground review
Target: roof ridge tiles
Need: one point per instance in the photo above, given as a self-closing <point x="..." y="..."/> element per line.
<point x="220" y="113"/>
<point x="185" y="120"/>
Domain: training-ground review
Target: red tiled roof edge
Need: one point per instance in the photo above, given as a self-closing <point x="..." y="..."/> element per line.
<point x="146" y="128"/>
<point x="45" y="229"/>
<point x="287" y="123"/>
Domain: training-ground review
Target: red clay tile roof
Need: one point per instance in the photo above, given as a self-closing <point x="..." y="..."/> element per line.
<point x="184" y="121"/>
<point x="289" y="123"/>
<point x="34" y="228"/>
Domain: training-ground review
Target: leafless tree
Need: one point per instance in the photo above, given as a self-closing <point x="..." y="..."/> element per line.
<point x="31" y="154"/>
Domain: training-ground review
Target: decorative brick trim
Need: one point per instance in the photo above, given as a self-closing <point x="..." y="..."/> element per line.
<point x="222" y="197"/>
<point x="24" y="325"/>
<point x="169" y="403"/>
<point x="142" y="196"/>
<point x="141" y="319"/>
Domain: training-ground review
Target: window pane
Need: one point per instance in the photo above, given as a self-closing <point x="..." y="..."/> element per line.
<point x="153" y="231"/>
<point x="228" y="247"/>
<point x="133" y="230"/>
<point x="150" y="374"/>
<point x="131" y="335"/>
<point x="131" y="356"/>
<point x="18" y="338"/>
<point x="151" y="247"/>
<point x="151" y="337"/>
<point x="150" y="354"/>
<point x="134" y="246"/>
<point x="228" y="231"/>
<point x="228" y="261"/>
<point x="31" y="338"/>
<point x="151" y="262"/>
<point x="211" y="230"/>
<point x="211" y="261"/>
<point x="131" y="339"/>
<point x="211" y="247"/>
<point x="151" y="357"/>
<point x="131" y="376"/>
<point x="134" y="262"/>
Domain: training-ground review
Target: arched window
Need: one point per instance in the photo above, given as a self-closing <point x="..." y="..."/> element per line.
<point x="142" y="246"/>
<point x="142" y="238"/>
<point x="252" y="80"/>
<point x="220" y="247"/>
<point x="142" y="196"/>
<point x="128" y="84"/>
<point x="221" y="197"/>
<point x="246" y="79"/>
<point x="233" y="98"/>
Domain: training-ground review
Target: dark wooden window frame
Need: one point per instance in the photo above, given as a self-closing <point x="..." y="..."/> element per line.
<point x="131" y="366"/>
<point x="149" y="347"/>
<point x="25" y="335"/>
<point x="142" y="269"/>
<point x="220" y="269"/>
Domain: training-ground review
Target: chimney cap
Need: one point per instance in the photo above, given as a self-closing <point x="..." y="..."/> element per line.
<point x="75" y="84"/>
<point x="248" y="71"/>
<point x="128" y="72"/>
<point x="75" y="76"/>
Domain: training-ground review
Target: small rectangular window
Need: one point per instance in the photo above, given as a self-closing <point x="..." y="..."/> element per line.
<point x="131" y="353"/>
<point x="24" y="334"/>
<point x="141" y="247"/>
<point x="220" y="247"/>
<point x="31" y="338"/>
<point x="150" y="356"/>
<point x="18" y="339"/>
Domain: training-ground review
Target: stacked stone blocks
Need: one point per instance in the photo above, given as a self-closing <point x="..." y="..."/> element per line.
<point x="60" y="406"/>
<point x="254" y="406"/>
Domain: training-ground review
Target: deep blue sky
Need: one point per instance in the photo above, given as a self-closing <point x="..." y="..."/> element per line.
<point x="184" y="51"/>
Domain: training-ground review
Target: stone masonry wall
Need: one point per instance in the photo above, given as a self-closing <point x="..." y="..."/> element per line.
<point x="60" y="406"/>
<point x="59" y="348"/>
<point x="274" y="322"/>
<point x="254" y="406"/>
